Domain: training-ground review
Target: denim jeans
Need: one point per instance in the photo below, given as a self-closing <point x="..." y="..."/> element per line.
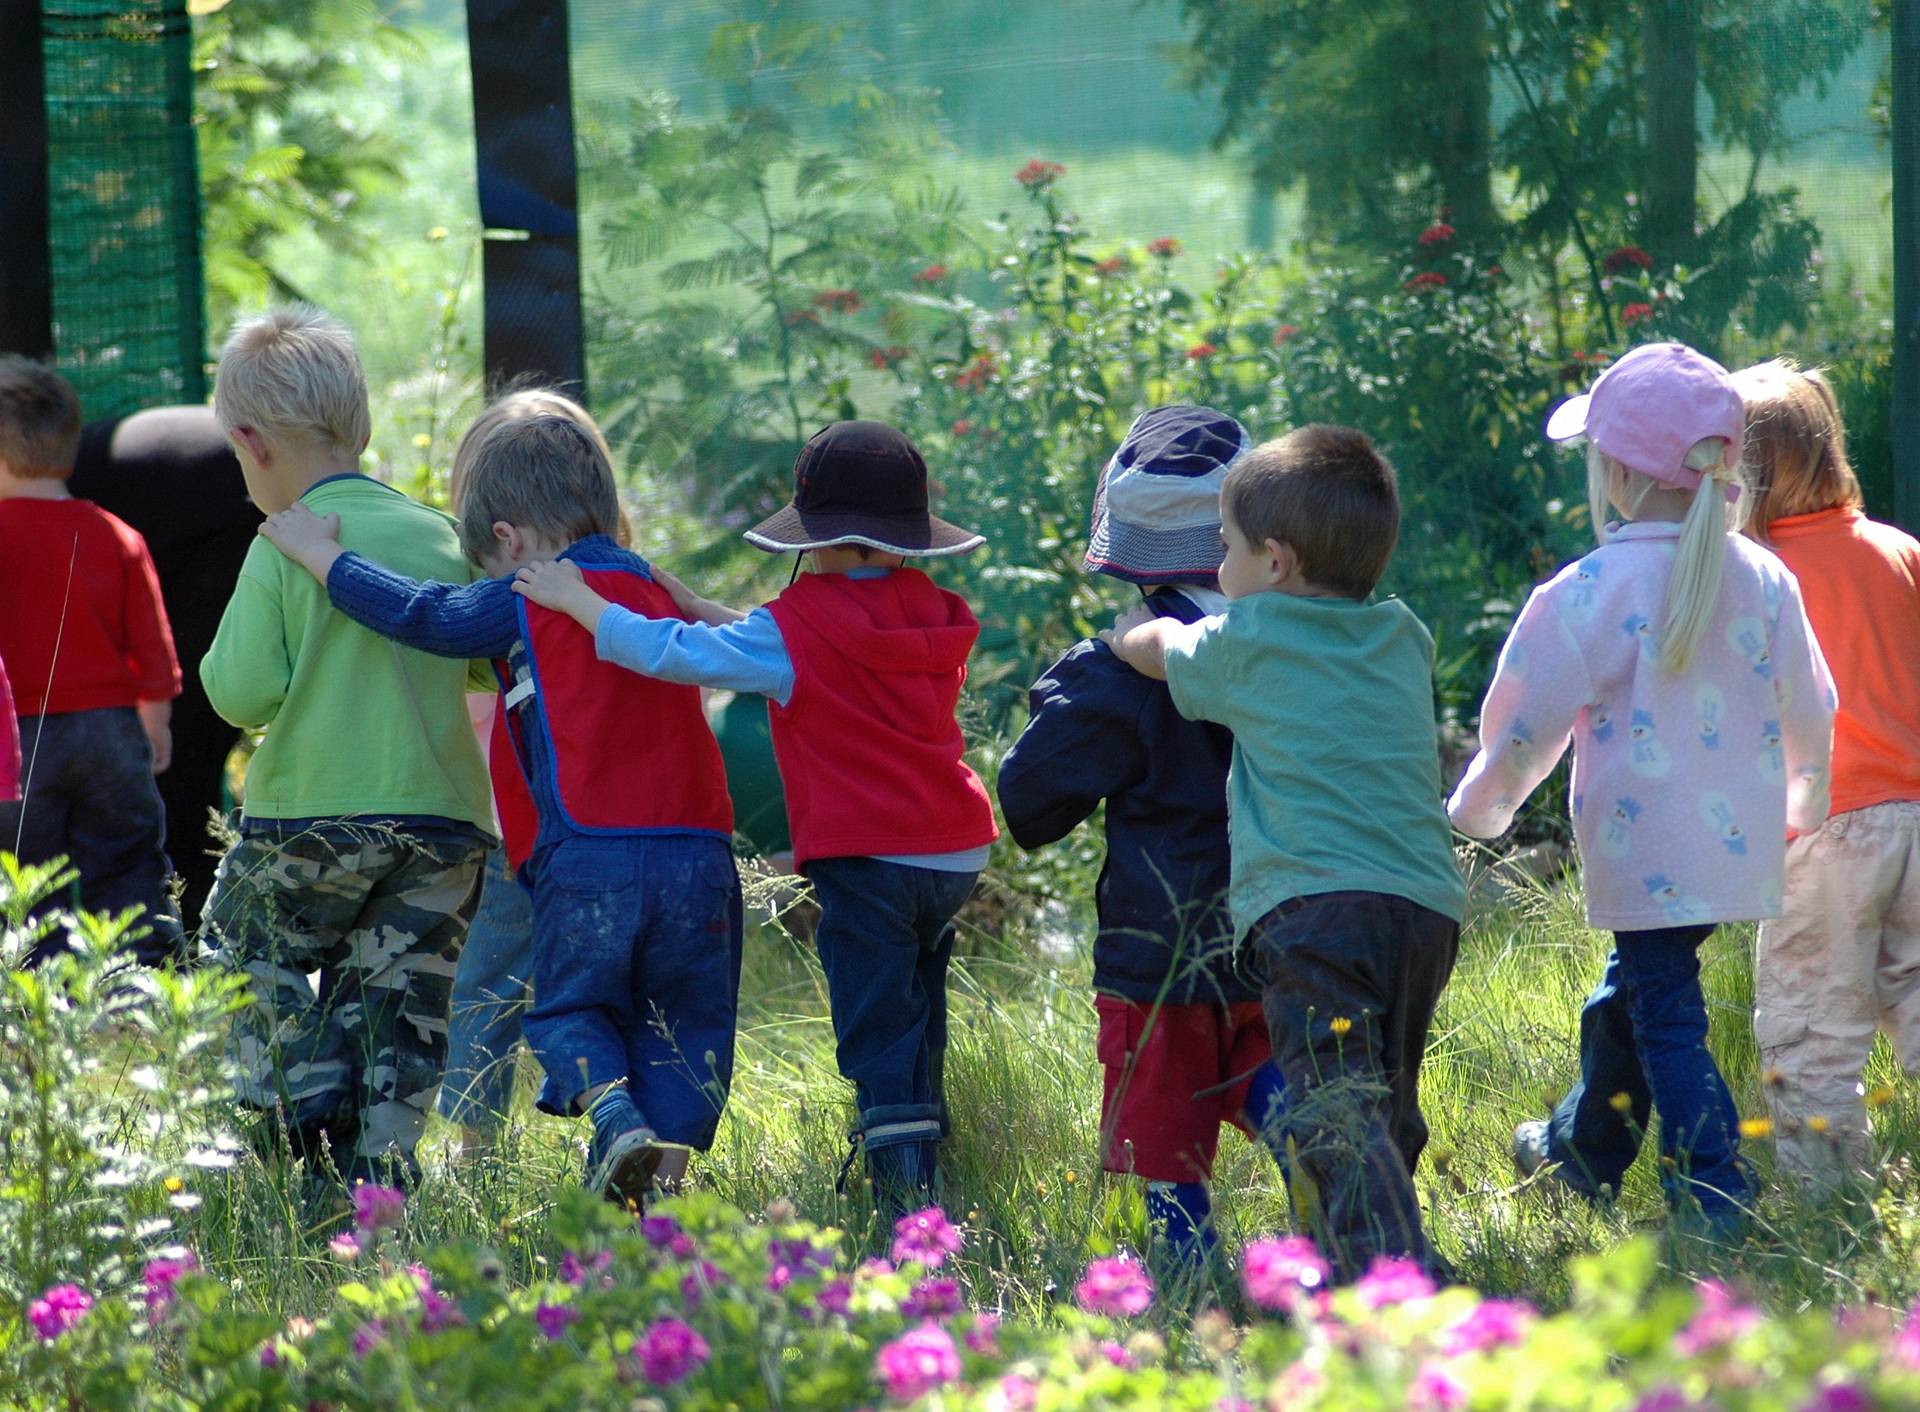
<point x="885" y="939"/>
<point x="636" y="975"/>
<point x="1643" y="1045"/>
<point x="491" y="990"/>
<point x="91" y="798"/>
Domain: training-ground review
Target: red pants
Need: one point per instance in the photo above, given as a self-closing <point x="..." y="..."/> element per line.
<point x="1170" y="1087"/>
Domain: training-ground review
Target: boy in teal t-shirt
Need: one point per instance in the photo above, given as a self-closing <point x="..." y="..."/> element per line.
<point x="1344" y="893"/>
<point x="368" y="812"/>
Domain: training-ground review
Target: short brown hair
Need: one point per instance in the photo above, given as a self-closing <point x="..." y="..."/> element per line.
<point x="39" y="420"/>
<point x="1325" y="493"/>
<point x="1796" y="447"/>
<point x="540" y="470"/>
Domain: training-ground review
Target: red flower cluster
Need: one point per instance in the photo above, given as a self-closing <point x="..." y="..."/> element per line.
<point x="962" y="427"/>
<point x="976" y="373"/>
<point x="1112" y="265"/>
<point x="1286" y="333"/>
<point x="884" y="358"/>
<point x="1165" y="248"/>
<point x="1428" y="279"/>
<point x="1618" y="260"/>
<point x="838" y="301"/>
<point x="796" y="317"/>
<point x="1038" y="175"/>
<point x="1200" y="352"/>
<point x="1636" y="313"/>
<point x="1439" y="233"/>
<point x="932" y="274"/>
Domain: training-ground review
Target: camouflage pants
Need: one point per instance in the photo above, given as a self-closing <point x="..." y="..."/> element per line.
<point x="380" y="917"/>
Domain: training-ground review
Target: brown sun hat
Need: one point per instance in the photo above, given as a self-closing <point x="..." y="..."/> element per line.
<point x="860" y="483"/>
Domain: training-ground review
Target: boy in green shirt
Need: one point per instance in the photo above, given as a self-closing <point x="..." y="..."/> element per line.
<point x="368" y="812"/>
<point x="1345" y="898"/>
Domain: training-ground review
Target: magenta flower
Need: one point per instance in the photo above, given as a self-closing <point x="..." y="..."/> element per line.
<point x="367" y="1337"/>
<point x="1495" y="1323"/>
<point x="1721" y="1319"/>
<point x="1838" y="1397"/>
<point x="983" y="1336"/>
<point x="554" y="1319"/>
<point x="1016" y="1394"/>
<point x="345" y="1246"/>
<point x="1665" y="1399"/>
<point x="670" y="1351"/>
<point x="376" y="1208"/>
<point x="926" y="1237"/>
<point x="1906" y="1343"/>
<point x="270" y="1354"/>
<point x="659" y="1230"/>
<point x="574" y="1270"/>
<point x="1278" y="1272"/>
<point x="438" y="1312"/>
<point x="835" y="1297"/>
<point x="681" y="1247"/>
<point x="932" y="1299"/>
<point x="1118" y="1287"/>
<point x="697" y="1281"/>
<point x="1391" y="1280"/>
<point x="1434" y="1389"/>
<point x="58" y="1310"/>
<point x="159" y="1277"/>
<point x="1118" y="1356"/>
<point x="917" y="1362"/>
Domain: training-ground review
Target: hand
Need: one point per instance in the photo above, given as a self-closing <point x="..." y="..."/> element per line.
<point x="552" y="583"/>
<point x="1136" y="615"/>
<point x="302" y="535"/>
<point x="696" y="608"/>
<point x="156" y="719"/>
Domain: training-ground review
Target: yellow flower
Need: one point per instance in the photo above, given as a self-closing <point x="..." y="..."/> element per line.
<point x="1072" y="1176"/>
<point x="1340" y="1025"/>
<point x="437" y="233"/>
<point x="1880" y="1095"/>
<point x="1040" y="1189"/>
<point x="1756" y="1127"/>
<point x="1621" y="1103"/>
<point x="422" y="440"/>
<point x="1817" y="1123"/>
<point x="174" y="1186"/>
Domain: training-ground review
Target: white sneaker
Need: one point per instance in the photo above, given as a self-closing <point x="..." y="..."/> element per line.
<point x="1532" y="1151"/>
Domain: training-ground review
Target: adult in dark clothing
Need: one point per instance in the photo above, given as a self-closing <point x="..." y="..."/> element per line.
<point x="169" y="473"/>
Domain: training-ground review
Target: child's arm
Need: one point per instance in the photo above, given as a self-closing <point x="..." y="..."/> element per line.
<point x="698" y="609"/>
<point x="246" y="671"/>
<point x="1140" y="638"/>
<point x="743" y="655"/>
<point x="1539" y="689"/>
<point x="1804" y="688"/>
<point x="149" y="649"/>
<point x="1081" y="745"/>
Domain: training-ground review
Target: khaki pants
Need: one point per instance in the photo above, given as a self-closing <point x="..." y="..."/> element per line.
<point x="1842" y="963"/>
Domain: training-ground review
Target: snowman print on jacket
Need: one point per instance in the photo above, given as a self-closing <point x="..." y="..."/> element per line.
<point x="1716" y="811"/>
<point x="1773" y="761"/>
<point x="1600" y="722"/>
<point x="1638" y="628"/>
<point x="1680" y="908"/>
<point x="1708" y="707"/>
<point x="1646" y="756"/>
<point x="1749" y="638"/>
<point x="1578" y="603"/>
<point x="1616" y="832"/>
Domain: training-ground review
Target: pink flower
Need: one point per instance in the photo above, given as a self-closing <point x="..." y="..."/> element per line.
<point x="670" y="1351"/>
<point x="1618" y="259"/>
<point x="376" y="1208"/>
<point x="1112" y="265"/>
<point x="574" y="1270"/>
<point x="1495" y="1323"/>
<point x="1276" y="1273"/>
<point x="681" y="1247"/>
<point x="1286" y="333"/>
<point x="1636" y="313"/>
<point x="1439" y="233"/>
<point x="835" y="1297"/>
<point x="438" y="1312"/>
<point x="697" y="1281"/>
<point x="1233" y="1404"/>
<point x="1721" y="1319"/>
<point x="367" y="1337"/>
<point x="58" y="1310"/>
<point x="1838" y="1397"/>
<point x="1015" y="1394"/>
<point x="1428" y="279"/>
<point x="917" y="1362"/>
<point x="159" y="1277"/>
<point x="1118" y="1356"/>
<point x="926" y="1237"/>
<point x="1118" y="1287"/>
<point x="983" y="1336"/>
<point x="345" y="1246"/>
<point x="1906" y="1344"/>
<point x="553" y="1319"/>
<point x="1393" y="1280"/>
<point x="930" y="274"/>
<point x="1038" y="175"/>
<point x="1165" y="248"/>
<point x="1200" y="352"/>
<point x="932" y="1299"/>
<point x="659" y="1230"/>
<point x="270" y="1355"/>
<point x="1434" y="1389"/>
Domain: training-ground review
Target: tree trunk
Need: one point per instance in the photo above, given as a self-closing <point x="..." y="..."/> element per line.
<point x="1906" y="264"/>
<point x="1463" y="160"/>
<point x="1670" y="57"/>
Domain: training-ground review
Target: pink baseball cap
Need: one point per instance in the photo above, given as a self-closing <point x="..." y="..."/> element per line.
<point x="1648" y="410"/>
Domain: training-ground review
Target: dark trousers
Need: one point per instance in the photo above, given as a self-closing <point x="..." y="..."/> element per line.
<point x="1643" y="1045"/>
<point x="91" y="799"/>
<point x="636" y="975"/>
<point x="885" y="939"/>
<point x="1350" y="982"/>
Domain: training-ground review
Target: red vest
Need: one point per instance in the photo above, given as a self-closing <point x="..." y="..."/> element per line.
<point x="869" y="750"/>
<point x="628" y="754"/>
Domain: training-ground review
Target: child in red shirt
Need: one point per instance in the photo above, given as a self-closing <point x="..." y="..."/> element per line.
<point x="87" y="646"/>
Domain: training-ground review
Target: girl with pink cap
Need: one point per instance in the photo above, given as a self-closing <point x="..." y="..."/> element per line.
<point x="1677" y="659"/>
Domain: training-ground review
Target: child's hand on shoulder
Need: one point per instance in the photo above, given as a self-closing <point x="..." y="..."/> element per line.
<point x="697" y="608"/>
<point x="1136" y="641"/>
<point x="552" y="583"/>
<point x="310" y="540"/>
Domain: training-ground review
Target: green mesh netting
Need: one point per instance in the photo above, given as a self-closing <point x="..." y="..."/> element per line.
<point x="124" y="201"/>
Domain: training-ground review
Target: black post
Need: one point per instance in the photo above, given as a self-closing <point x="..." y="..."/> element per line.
<point x="523" y="132"/>
<point x="26" y="272"/>
<point x="1906" y="264"/>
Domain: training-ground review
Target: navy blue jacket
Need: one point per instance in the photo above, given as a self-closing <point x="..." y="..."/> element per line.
<point x="1102" y="731"/>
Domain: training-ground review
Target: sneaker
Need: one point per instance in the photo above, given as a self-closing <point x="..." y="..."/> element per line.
<point x="1532" y="1152"/>
<point x="620" y="1168"/>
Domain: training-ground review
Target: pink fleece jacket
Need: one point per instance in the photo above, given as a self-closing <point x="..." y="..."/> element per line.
<point x="1684" y="786"/>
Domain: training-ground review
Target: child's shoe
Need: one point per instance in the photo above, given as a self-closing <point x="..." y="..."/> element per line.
<point x="624" y="1153"/>
<point x="903" y="1177"/>
<point x="1532" y="1147"/>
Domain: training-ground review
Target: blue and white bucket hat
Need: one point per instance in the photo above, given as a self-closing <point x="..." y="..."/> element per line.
<point x="1156" y="511"/>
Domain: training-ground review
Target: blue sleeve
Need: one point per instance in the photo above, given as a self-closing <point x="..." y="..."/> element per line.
<point x="1081" y="745"/>
<point x="446" y="619"/>
<point x="749" y="655"/>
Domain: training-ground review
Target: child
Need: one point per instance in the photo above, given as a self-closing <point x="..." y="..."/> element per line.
<point x="1678" y="658"/>
<point x="366" y="818"/>
<point x="1182" y="1038"/>
<point x="85" y="637"/>
<point x="636" y="903"/>
<point x="1843" y="960"/>
<point x="863" y="660"/>
<point x="1345" y="897"/>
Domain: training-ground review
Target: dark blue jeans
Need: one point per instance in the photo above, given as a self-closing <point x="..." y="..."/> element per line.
<point x="885" y="939"/>
<point x="636" y="975"/>
<point x="1643" y="1034"/>
<point x="491" y="987"/>
<point x="92" y="799"/>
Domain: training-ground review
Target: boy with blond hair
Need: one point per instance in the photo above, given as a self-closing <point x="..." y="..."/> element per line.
<point x="367" y="815"/>
<point x="85" y="639"/>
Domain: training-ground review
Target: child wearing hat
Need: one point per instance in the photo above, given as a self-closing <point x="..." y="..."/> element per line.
<point x="1182" y="1041"/>
<point x="862" y="661"/>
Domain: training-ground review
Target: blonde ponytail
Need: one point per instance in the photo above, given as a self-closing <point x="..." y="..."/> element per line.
<point x="1693" y="588"/>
